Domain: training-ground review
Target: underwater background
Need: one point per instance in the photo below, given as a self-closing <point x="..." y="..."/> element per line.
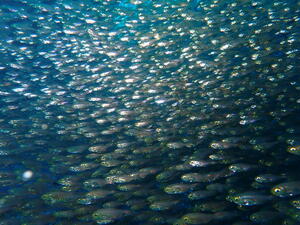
<point x="141" y="112"/>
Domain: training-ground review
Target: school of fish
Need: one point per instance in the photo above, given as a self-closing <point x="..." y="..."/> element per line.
<point x="149" y="112"/>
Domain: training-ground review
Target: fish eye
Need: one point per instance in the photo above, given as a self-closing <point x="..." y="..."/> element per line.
<point x="277" y="190"/>
<point x="185" y="219"/>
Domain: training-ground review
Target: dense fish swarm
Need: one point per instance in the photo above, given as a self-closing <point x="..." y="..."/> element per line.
<point x="144" y="112"/>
